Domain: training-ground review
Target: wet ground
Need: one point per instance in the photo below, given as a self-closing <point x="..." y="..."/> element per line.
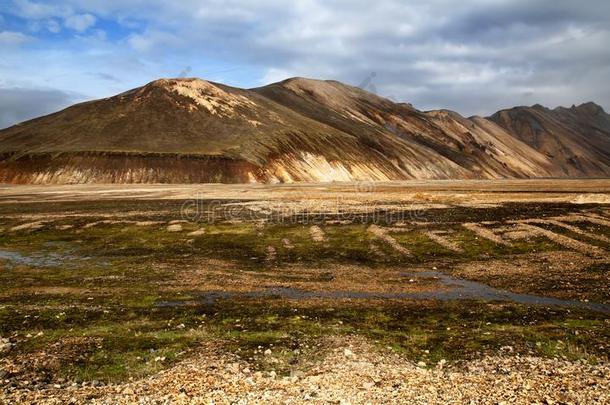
<point x="449" y="289"/>
<point x="96" y="286"/>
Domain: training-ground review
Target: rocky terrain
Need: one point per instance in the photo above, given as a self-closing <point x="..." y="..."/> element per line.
<point x="420" y="292"/>
<point x="298" y="130"/>
<point x="351" y="371"/>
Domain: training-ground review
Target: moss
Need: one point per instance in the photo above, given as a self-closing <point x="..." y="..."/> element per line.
<point x="420" y="246"/>
<point x="124" y="353"/>
<point x="108" y="290"/>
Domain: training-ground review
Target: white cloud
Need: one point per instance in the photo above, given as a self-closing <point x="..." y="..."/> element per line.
<point x="151" y="41"/>
<point x="276" y="75"/>
<point x="80" y="22"/>
<point x="34" y="10"/>
<point x="475" y="58"/>
<point x="53" y="26"/>
<point x="12" y="38"/>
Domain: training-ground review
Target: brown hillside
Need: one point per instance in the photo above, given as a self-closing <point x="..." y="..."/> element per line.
<point x="192" y="131"/>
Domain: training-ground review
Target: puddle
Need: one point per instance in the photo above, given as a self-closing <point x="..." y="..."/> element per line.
<point x="457" y="288"/>
<point x="452" y="289"/>
<point x="14" y="258"/>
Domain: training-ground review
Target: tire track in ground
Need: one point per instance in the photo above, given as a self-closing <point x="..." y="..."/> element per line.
<point x="565" y="241"/>
<point x="270" y="254"/>
<point x="107" y="222"/>
<point x="317" y="234"/>
<point x="486" y="233"/>
<point x="287" y="243"/>
<point x="30" y="226"/>
<point x="383" y="235"/>
<point x="584" y="218"/>
<point x="442" y="241"/>
<point x="568" y="227"/>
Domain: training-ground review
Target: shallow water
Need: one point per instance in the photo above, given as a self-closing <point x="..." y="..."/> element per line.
<point x="452" y="289"/>
<point x="14" y="258"/>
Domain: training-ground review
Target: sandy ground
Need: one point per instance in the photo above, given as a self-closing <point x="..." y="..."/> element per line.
<point x="431" y="191"/>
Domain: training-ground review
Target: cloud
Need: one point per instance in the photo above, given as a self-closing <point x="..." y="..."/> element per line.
<point x="11" y="38"/>
<point x="53" y="26"/>
<point x="476" y="58"/>
<point x="105" y="76"/>
<point x="80" y="22"/>
<point x="154" y="41"/>
<point x="20" y="104"/>
<point x="185" y="72"/>
<point x="34" y="10"/>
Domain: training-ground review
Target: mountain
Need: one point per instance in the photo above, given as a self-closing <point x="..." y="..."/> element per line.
<point x="192" y="131"/>
<point x="576" y="139"/>
<point x="456" y="141"/>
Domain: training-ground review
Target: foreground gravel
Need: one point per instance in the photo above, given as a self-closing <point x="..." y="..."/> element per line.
<point x="352" y="371"/>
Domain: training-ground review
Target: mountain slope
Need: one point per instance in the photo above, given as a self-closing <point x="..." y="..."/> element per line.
<point x="576" y="139"/>
<point x="168" y="120"/>
<point x="479" y="148"/>
<point x="192" y="130"/>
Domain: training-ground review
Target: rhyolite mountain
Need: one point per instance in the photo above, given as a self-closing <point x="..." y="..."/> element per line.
<point x="195" y="131"/>
<point x="576" y="140"/>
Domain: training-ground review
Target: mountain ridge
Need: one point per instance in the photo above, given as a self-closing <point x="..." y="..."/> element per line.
<point x="299" y="129"/>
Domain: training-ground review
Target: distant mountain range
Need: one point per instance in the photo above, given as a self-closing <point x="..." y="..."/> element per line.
<point x="298" y="130"/>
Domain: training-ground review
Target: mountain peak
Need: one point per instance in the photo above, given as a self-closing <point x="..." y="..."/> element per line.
<point x="185" y="82"/>
<point x="590" y="108"/>
<point x="539" y="107"/>
<point x="307" y="84"/>
<point x="202" y="94"/>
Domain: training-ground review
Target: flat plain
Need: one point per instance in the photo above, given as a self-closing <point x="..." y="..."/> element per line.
<point x="424" y="292"/>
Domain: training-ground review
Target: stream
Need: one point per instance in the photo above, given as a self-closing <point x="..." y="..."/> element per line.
<point x="452" y="289"/>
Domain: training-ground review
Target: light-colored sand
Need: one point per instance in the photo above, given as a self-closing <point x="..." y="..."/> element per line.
<point x="429" y="192"/>
<point x="565" y="241"/>
<point x="317" y="234"/>
<point x="30" y="226"/>
<point x="568" y="227"/>
<point x="383" y="235"/>
<point x="486" y="233"/>
<point x="174" y="228"/>
<point x="442" y="241"/>
<point x="287" y="243"/>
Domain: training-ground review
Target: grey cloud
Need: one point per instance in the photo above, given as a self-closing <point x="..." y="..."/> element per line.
<point x="474" y="57"/>
<point x="105" y="76"/>
<point x="185" y="72"/>
<point x="20" y="104"/>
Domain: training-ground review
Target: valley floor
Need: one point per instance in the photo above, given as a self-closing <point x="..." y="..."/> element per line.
<point x="418" y="292"/>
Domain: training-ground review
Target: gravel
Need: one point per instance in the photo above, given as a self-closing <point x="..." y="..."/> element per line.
<point x="5" y="345"/>
<point x="350" y="370"/>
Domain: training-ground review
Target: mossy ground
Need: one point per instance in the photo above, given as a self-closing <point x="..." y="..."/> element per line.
<point x="96" y="312"/>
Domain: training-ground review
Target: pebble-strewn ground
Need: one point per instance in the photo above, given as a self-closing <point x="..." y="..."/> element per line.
<point x="402" y="293"/>
<point x="350" y="371"/>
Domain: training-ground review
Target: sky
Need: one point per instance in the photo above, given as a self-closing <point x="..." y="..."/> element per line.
<point x="471" y="56"/>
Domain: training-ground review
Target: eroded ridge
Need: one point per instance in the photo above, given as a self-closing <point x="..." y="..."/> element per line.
<point x="570" y="228"/>
<point x="383" y="235"/>
<point x="440" y="239"/>
<point x="486" y="233"/>
<point x="564" y="240"/>
<point x="594" y="219"/>
<point x="317" y="234"/>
